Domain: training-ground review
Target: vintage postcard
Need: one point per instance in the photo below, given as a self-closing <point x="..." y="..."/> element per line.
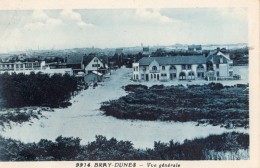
<point x="158" y="84"/>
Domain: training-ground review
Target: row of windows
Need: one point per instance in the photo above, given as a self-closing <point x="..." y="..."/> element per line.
<point x="186" y="67"/>
<point x="19" y="65"/>
<point x="172" y="67"/>
<point x="95" y="65"/>
<point x="182" y="76"/>
<point x="163" y="74"/>
<point x="163" y="68"/>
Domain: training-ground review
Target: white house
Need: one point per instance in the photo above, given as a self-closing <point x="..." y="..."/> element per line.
<point x="93" y="63"/>
<point x="213" y="67"/>
<point x="219" y="66"/>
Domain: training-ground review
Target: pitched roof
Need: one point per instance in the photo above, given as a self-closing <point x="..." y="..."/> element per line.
<point x="174" y="60"/>
<point x="74" y="58"/>
<point x="87" y="58"/>
<point x="215" y="57"/>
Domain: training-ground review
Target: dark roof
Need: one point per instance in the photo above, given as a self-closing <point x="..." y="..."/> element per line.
<point x="194" y="46"/>
<point x="87" y="59"/>
<point x="174" y="60"/>
<point x="74" y="58"/>
<point x="216" y="59"/>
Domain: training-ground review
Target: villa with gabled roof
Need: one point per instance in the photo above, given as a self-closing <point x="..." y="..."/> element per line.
<point x="214" y="67"/>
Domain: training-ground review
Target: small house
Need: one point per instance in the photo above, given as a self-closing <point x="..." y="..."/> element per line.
<point x="93" y="77"/>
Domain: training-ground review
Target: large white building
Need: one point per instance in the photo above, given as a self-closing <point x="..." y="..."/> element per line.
<point x="214" y="67"/>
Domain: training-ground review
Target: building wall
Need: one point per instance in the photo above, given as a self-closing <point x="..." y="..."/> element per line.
<point x="45" y="71"/>
<point x="136" y="71"/>
<point x="92" y="66"/>
<point x="18" y="66"/>
<point x="92" y="78"/>
<point x="164" y="73"/>
<point x="223" y="70"/>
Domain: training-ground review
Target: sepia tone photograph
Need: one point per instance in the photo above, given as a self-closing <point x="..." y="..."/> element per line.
<point x="125" y="84"/>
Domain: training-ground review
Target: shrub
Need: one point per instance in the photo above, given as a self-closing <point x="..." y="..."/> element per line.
<point x="212" y="103"/>
<point x="132" y="88"/>
<point x="18" y="90"/>
<point x="234" y="144"/>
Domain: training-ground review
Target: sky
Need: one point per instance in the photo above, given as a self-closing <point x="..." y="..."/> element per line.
<point x="112" y="28"/>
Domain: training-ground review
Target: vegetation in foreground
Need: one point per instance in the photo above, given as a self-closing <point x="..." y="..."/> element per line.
<point x="20" y="115"/>
<point x="213" y="104"/>
<point x="19" y="90"/>
<point x="228" y="146"/>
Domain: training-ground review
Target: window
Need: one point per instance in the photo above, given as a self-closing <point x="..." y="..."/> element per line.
<point x="200" y="67"/>
<point x="230" y="73"/>
<point x="154" y="68"/>
<point x="136" y="77"/>
<point x="217" y="66"/>
<point x="217" y="73"/>
<point x="142" y="76"/>
<point x="163" y="75"/>
<point x="183" y="66"/>
<point x="95" y="60"/>
<point x="152" y="76"/>
<point x="144" y="68"/>
<point x="189" y="66"/>
<point x="172" y="67"/>
<point x="163" y="67"/>
<point x="95" y="65"/>
<point x="191" y="75"/>
<point x="221" y="60"/>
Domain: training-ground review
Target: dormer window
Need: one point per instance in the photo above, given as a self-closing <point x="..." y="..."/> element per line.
<point x="154" y="68"/>
<point x="163" y="67"/>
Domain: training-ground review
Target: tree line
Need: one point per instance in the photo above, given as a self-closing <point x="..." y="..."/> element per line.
<point x="227" y="146"/>
<point x="19" y="90"/>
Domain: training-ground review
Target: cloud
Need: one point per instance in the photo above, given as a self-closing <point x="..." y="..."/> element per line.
<point x="153" y="14"/>
<point x="40" y="15"/>
<point x="72" y="16"/>
<point x="42" y="20"/>
<point x="66" y="18"/>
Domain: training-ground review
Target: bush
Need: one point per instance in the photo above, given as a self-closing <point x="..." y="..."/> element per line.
<point x="18" y="90"/>
<point x="69" y="148"/>
<point x="132" y="88"/>
<point x="212" y="103"/>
